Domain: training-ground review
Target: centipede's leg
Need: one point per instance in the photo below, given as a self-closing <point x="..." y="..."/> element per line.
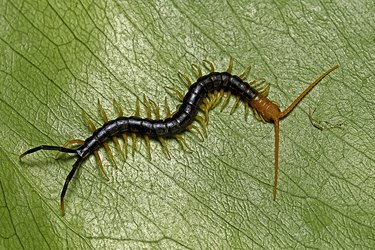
<point x="226" y="100"/>
<point x="198" y="70"/>
<point x="230" y="65"/>
<point x="245" y="73"/>
<point x="48" y="147"/>
<point x="246" y="112"/>
<point x="193" y="127"/>
<point x="209" y="65"/>
<point x="148" y="107"/>
<point x="134" y="135"/>
<point x="205" y="107"/>
<point x="93" y="129"/>
<point x="156" y="109"/>
<point x="255" y="83"/>
<point x="99" y="161"/>
<point x="105" y="144"/>
<point x="211" y="100"/>
<point x="182" y="141"/>
<point x="164" y="146"/>
<point x="184" y="79"/>
<point x="220" y="95"/>
<point x="134" y="141"/>
<point x="217" y="98"/>
<point x="235" y="105"/>
<point x="137" y="107"/>
<point x="118" y="147"/>
<point x="202" y="122"/>
<point x="167" y="109"/>
<point x="102" y="112"/>
<point x="258" y="116"/>
<point x="71" y="142"/>
<point x="109" y="152"/>
<point x="124" y="137"/>
<point x="115" y="139"/>
<point x="74" y="141"/>
<point x="66" y="184"/>
<point x="148" y="147"/>
<point x="175" y="91"/>
<point x="264" y="88"/>
<point x="88" y="121"/>
<point x="146" y="137"/>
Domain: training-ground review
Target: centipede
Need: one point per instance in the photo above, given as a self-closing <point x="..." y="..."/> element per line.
<point x="204" y="94"/>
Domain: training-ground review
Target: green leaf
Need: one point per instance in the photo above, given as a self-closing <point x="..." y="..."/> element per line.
<point x="58" y="59"/>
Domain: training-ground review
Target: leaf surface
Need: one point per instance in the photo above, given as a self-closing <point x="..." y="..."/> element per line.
<point x="58" y="59"/>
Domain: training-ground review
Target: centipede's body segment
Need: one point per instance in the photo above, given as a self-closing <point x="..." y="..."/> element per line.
<point x="202" y="95"/>
<point x="180" y="120"/>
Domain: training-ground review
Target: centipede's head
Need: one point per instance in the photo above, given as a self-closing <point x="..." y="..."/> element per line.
<point x="264" y="109"/>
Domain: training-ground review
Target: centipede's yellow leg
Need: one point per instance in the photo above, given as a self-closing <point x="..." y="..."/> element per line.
<point x="246" y="112"/>
<point x="148" y="107"/>
<point x="197" y="69"/>
<point x="88" y="121"/>
<point x="245" y="73"/>
<point x="182" y="141"/>
<point x="202" y="122"/>
<point x="134" y="141"/>
<point x="179" y="95"/>
<point x="235" y="104"/>
<point x="167" y="110"/>
<point x="156" y="109"/>
<point x="164" y="146"/>
<point x="70" y="142"/>
<point x="97" y="157"/>
<point x="226" y="100"/>
<point x="102" y="112"/>
<point x="137" y="107"/>
<point x="193" y="127"/>
<point x="184" y="79"/>
<point x="217" y="98"/>
<point x="124" y="137"/>
<point x="230" y="66"/>
<point x="209" y="65"/>
<point x="109" y="152"/>
<point x="148" y="147"/>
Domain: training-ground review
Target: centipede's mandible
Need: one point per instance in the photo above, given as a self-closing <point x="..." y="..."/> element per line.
<point x="203" y="94"/>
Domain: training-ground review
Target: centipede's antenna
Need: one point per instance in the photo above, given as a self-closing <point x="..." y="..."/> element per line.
<point x="302" y="95"/>
<point x="283" y="114"/>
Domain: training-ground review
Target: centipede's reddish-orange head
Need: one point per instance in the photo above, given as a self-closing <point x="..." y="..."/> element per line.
<point x="268" y="110"/>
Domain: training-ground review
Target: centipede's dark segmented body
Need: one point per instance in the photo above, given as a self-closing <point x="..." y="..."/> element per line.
<point x="179" y="121"/>
<point x="202" y="95"/>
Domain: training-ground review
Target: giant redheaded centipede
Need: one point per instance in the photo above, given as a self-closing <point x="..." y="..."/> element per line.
<point x="202" y="95"/>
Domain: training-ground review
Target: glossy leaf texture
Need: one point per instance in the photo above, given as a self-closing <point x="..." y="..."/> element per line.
<point x="58" y="58"/>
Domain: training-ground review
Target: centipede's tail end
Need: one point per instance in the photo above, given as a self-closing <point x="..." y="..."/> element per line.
<point x="48" y="147"/>
<point x="62" y="207"/>
<point x="21" y="156"/>
<point x="30" y="151"/>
